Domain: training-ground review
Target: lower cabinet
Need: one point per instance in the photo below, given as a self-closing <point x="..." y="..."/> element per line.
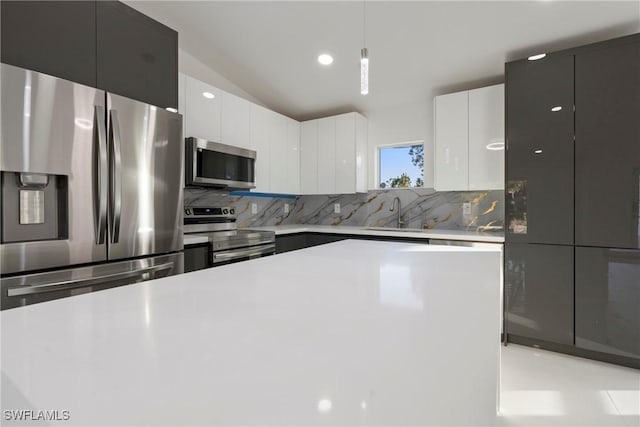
<point x="290" y="242"/>
<point x="196" y="257"/>
<point x="608" y="300"/>
<point x="293" y="242"/>
<point x="539" y="292"/>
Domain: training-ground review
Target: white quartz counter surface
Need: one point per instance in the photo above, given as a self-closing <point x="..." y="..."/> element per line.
<point x="348" y="333"/>
<point x="472" y="236"/>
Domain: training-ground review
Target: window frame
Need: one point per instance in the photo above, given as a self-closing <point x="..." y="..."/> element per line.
<point x="395" y="145"/>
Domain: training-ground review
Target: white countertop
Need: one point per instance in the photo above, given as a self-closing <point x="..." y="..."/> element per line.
<point x="348" y="333"/>
<point x="488" y="237"/>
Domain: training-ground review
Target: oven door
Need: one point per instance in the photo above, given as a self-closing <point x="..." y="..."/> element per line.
<point x="219" y="165"/>
<point x="242" y="254"/>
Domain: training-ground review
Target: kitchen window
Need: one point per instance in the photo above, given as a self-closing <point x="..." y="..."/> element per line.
<point x="401" y="165"/>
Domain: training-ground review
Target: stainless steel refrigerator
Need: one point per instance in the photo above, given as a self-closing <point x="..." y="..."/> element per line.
<point x="91" y="189"/>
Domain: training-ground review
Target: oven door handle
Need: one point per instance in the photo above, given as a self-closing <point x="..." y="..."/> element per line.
<point x="243" y="253"/>
<point x="71" y="284"/>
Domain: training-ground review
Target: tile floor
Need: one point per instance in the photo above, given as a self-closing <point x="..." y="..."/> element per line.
<point x="542" y="388"/>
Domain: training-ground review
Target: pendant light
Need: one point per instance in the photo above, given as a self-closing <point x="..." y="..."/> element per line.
<point x="364" y="55"/>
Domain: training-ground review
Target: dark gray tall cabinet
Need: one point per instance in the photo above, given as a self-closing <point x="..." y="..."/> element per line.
<point x="104" y="44"/>
<point x="572" y="258"/>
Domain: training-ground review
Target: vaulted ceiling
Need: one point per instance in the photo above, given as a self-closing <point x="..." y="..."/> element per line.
<point x="417" y="49"/>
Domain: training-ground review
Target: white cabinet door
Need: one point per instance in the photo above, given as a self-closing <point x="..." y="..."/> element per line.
<point x="260" y="143"/>
<point x="486" y="138"/>
<point x="292" y="157"/>
<point x="236" y="121"/>
<point x="361" y="154"/>
<point x="327" y="155"/>
<point x="201" y="112"/>
<point x="182" y="78"/>
<point x="451" y="138"/>
<point x="309" y="157"/>
<point x="277" y="152"/>
<point x="345" y="154"/>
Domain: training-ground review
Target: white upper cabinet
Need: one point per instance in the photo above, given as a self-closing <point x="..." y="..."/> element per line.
<point x="333" y="155"/>
<point x="327" y="155"/>
<point x="260" y="143"/>
<point x="309" y="157"/>
<point x="469" y="140"/>
<point x="451" y="136"/>
<point x="292" y="157"/>
<point x="200" y="110"/>
<point x="276" y="140"/>
<point x="278" y="172"/>
<point x="486" y="138"/>
<point x="216" y="115"/>
<point x="235" y="121"/>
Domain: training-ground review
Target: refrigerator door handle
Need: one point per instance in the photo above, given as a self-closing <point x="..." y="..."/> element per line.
<point x="116" y="176"/>
<point x="101" y="174"/>
<point x="70" y="284"/>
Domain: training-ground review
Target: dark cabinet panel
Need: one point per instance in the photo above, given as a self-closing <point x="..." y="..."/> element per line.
<point x="608" y="300"/>
<point x="315" y="239"/>
<point x="137" y="56"/>
<point x="290" y="242"/>
<point x="52" y="37"/>
<point x="196" y="257"/>
<point x="539" y="291"/>
<point x="539" y="132"/>
<point x="608" y="147"/>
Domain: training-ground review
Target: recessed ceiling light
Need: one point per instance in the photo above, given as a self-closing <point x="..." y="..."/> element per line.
<point x="208" y="95"/>
<point x="325" y="59"/>
<point x="558" y="108"/>
<point x="536" y="57"/>
<point x="171" y="109"/>
<point x="538" y="151"/>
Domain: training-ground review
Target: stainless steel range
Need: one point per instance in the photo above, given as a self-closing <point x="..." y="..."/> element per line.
<point x="226" y="243"/>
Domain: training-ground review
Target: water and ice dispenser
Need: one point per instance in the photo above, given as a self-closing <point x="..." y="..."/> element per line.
<point x="34" y="207"/>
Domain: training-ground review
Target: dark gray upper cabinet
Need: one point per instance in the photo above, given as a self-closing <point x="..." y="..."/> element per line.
<point x="539" y="134"/>
<point x="608" y="300"/>
<point x="539" y="292"/>
<point x="607" y="85"/>
<point x="137" y="57"/>
<point x="104" y="44"/>
<point x="51" y="37"/>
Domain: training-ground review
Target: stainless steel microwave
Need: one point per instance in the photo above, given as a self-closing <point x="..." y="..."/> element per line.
<point x="213" y="164"/>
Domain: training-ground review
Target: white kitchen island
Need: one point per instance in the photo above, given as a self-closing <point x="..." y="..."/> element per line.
<point x="348" y="333"/>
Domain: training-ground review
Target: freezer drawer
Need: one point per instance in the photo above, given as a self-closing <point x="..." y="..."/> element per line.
<point x="40" y="287"/>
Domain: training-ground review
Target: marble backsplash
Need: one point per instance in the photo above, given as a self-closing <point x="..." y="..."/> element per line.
<point x="420" y="208"/>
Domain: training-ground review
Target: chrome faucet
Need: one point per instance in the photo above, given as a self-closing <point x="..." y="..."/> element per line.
<point x="399" y="220"/>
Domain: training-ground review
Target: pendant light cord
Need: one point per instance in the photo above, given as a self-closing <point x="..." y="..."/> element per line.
<point x="364" y="22"/>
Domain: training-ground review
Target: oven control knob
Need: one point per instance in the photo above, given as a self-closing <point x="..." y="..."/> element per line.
<point x="187" y="211"/>
<point x="225" y="211"/>
<point x="232" y="211"/>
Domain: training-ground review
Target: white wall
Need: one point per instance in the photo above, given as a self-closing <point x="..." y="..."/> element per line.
<point x="401" y="124"/>
<point x="191" y="66"/>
